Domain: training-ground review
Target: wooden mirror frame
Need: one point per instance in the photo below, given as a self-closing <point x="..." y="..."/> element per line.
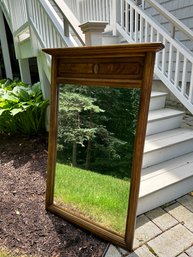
<point x="125" y="66"/>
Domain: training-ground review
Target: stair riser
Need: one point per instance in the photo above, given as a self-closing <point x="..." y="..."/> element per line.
<point x="162" y="125"/>
<point x="167" y="153"/>
<point x="164" y="195"/>
<point x="157" y="103"/>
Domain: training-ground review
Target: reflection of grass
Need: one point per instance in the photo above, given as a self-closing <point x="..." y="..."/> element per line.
<point x="103" y="199"/>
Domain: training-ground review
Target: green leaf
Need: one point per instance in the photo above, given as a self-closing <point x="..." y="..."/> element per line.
<point x="16" y="111"/>
<point x="22" y="93"/>
<point x="10" y="97"/>
<point x="36" y="90"/>
<point x="2" y="111"/>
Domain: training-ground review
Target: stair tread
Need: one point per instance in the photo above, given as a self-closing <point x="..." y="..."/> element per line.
<point x="162" y="114"/>
<point x="167" y="138"/>
<point x="166" y="173"/>
<point x="156" y="94"/>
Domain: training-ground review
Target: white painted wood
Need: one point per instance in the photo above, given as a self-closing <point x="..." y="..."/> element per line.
<point x="162" y="120"/>
<point x="157" y="100"/>
<point x="5" y="49"/>
<point x="25" y="71"/>
<point x="93" y="32"/>
<point x="167" y="145"/>
<point x="165" y="182"/>
<point x="167" y="61"/>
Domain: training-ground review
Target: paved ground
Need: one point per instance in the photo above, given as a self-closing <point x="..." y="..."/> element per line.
<point x="163" y="232"/>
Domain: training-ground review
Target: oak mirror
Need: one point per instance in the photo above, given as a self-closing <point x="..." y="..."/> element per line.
<point x="99" y="106"/>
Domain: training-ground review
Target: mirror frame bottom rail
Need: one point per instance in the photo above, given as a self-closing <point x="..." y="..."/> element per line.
<point x="87" y="224"/>
<point x="123" y="66"/>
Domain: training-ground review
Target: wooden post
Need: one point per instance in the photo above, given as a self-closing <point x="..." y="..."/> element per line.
<point x="25" y="71"/>
<point x="5" y="49"/>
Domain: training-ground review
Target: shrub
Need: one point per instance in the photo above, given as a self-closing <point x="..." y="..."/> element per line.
<point x="22" y="108"/>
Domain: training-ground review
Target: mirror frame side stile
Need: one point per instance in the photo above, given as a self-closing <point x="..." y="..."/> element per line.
<point x="52" y="143"/>
<point x="139" y="147"/>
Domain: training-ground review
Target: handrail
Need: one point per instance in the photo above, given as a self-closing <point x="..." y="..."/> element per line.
<point x="170" y="17"/>
<point x="174" y="65"/>
<point x="70" y="18"/>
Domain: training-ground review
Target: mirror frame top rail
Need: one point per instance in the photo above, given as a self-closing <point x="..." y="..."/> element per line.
<point x="123" y="66"/>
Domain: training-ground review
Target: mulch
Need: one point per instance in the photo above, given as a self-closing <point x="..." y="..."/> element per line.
<point x="26" y="228"/>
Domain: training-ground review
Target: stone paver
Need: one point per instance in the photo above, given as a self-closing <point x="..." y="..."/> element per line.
<point x="190" y="252"/>
<point x="112" y="252"/>
<point x="161" y="218"/>
<point x="145" y="230"/>
<point x="182" y="214"/>
<point x="142" y="251"/>
<point x="187" y="201"/>
<point x="163" y="232"/>
<point x="172" y="242"/>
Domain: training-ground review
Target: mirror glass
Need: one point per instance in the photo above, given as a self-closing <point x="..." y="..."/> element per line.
<point x="95" y="142"/>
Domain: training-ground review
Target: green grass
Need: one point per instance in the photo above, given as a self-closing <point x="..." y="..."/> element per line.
<point x="101" y="198"/>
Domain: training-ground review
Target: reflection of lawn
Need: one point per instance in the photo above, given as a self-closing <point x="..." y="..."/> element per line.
<point x="104" y="199"/>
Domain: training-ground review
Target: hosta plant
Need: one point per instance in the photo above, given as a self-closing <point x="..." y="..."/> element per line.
<point x="22" y="108"/>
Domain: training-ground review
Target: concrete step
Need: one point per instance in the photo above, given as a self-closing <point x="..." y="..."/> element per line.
<point x="165" y="182"/>
<point x="157" y="100"/>
<point x="163" y="120"/>
<point x="167" y="145"/>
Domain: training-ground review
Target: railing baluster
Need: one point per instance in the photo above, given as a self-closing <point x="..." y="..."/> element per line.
<point x="136" y="26"/>
<point x="176" y="76"/>
<point x="191" y="86"/>
<point x="131" y="22"/>
<point x="146" y="31"/>
<point x="127" y="17"/>
<point x="151" y="34"/>
<point x="141" y="29"/>
<point x="164" y="57"/>
<point x="170" y="61"/>
<point x="103" y="10"/>
<point x="184" y="73"/>
<point x="122" y="13"/>
<point x="157" y="59"/>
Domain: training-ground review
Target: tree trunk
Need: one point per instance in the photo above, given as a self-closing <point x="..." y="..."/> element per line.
<point x="74" y="154"/>
<point x="88" y="155"/>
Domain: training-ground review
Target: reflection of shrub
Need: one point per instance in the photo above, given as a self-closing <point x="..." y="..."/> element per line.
<point x="119" y="169"/>
<point x="22" y="108"/>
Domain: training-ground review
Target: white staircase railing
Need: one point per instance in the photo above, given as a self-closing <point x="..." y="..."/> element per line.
<point x="45" y="22"/>
<point x="174" y="65"/>
<point x="38" y="21"/>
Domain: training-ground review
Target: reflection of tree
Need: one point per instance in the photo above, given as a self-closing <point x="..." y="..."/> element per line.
<point x="97" y="127"/>
<point x="75" y="122"/>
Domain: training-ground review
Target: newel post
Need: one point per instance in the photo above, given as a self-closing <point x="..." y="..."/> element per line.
<point x="93" y="32"/>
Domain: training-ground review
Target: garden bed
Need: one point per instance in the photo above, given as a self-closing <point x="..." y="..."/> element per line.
<point x="25" y="227"/>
